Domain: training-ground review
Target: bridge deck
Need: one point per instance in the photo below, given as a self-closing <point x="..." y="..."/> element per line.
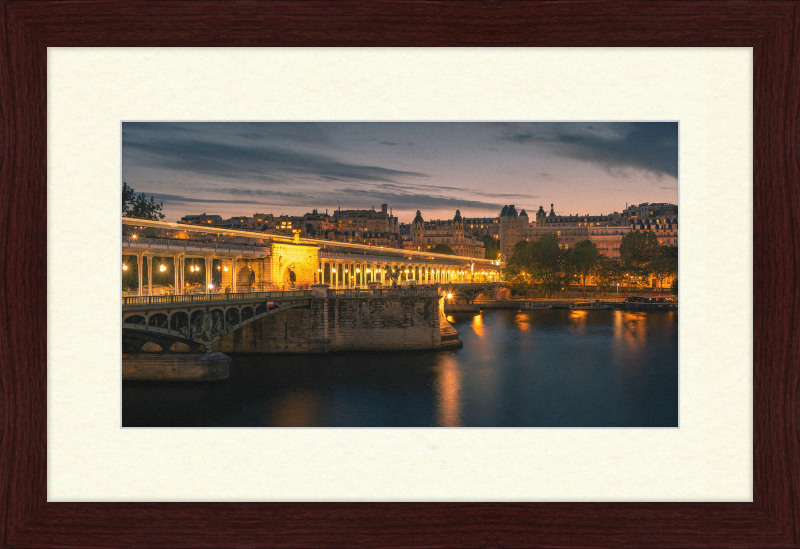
<point x="292" y="295"/>
<point x="213" y="298"/>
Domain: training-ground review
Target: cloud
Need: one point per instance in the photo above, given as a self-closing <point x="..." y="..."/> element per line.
<point x="648" y="146"/>
<point x="231" y="160"/>
<point x="177" y="198"/>
<point x="388" y="143"/>
<point x="356" y="196"/>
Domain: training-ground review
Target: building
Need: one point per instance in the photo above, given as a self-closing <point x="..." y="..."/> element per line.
<point x="426" y="235"/>
<point x="513" y="228"/>
<point x="366" y="220"/>
<point x="607" y="238"/>
<point x="483" y="226"/>
<point x="201" y="219"/>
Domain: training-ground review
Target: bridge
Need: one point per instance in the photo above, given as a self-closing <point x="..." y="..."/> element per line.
<point x="187" y="323"/>
<point x="195" y="323"/>
<point x="170" y="258"/>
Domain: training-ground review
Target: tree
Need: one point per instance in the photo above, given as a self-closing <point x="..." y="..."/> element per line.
<point x="608" y="274"/>
<point x="638" y="248"/>
<point x="138" y="206"/>
<point x="548" y="263"/>
<point x="665" y="265"/>
<point x="491" y="247"/>
<point x="674" y="287"/>
<point x="541" y="262"/>
<point x="442" y="249"/>
<point x="584" y="257"/>
<point x="517" y="271"/>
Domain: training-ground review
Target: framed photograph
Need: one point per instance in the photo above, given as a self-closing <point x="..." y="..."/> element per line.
<point x="73" y="476"/>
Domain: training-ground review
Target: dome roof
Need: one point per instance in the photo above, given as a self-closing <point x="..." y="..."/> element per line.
<point x="504" y="211"/>
<point x="458" y="216"/>
<point x="512" y="211"/>
<point x="418" y="217"/>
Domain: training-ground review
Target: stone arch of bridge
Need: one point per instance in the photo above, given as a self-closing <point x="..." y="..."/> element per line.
<point x="203" y="328"/>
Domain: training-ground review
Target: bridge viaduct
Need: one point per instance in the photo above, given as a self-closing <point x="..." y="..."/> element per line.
<point x="194" y="293"/>
<point x="177" y="259"/>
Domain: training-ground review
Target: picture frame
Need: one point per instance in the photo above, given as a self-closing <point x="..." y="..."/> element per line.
<point x="29" y="28"/>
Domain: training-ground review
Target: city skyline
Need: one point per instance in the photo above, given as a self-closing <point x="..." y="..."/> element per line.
<point x="234" y="169"/>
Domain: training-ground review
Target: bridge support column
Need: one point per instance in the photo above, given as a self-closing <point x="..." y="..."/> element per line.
<point x="149" y="275"/>
<point x="139" y="269"/>
<point x="176" y="260"/>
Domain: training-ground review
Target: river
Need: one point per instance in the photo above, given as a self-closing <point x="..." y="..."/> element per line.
<point x="551" y="368"/>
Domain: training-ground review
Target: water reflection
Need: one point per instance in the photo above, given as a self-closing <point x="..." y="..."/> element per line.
<point x="294" y="410"/>
<point x="522" y="321"/>
<point x="550" y="368"/>
<point x="477" y="324"/>
<point x="448" y="387"/>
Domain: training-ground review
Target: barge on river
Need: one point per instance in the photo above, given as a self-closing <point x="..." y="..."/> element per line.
<point x="651" y="303"/>
<point x="591" y="305"/>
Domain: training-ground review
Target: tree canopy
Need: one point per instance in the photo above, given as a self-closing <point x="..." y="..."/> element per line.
<point x="442" y="249"/>
<point x="491" y="247"/>
<point x="638" y="248"/>
<point x="584" y="258"/>
<point x="541" y="262"/>
<point x="138" y="206"/>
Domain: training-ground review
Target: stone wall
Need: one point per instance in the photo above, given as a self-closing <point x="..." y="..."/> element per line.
<point x="348" y="324"/>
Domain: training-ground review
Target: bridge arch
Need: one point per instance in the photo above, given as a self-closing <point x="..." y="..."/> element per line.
<point x="195" y="328"/>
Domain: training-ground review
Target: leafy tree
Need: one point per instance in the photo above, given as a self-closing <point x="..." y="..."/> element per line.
<point x="674" y="287"/>
<point x="668" y="251"/>
<point x="608" y="274"/>
<point x="442" y="249"/>
<point x="548" y="263"/>
<point x="584" y="257"/>
<point x="541" y="262"/>
<point x="491" y="247"/>
<point x="138" y="206"/>
<point x="664" y="266"/>
<point x="638" y="248"/>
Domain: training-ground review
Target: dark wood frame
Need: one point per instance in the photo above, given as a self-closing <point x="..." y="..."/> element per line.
<point x="28" y="27"/>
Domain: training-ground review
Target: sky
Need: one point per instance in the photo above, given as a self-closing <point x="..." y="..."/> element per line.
<point x="241" y="168"/>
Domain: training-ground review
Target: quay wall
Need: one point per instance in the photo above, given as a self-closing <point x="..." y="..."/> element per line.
<point x="175" y="367"/>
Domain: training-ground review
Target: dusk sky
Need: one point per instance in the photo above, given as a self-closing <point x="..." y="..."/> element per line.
<point x="239" y="168"/>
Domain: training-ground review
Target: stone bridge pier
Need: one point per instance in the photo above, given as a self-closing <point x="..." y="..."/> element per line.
<point x="350" y="320"/>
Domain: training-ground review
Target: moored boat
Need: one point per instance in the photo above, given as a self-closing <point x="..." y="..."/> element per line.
<point x="651" y="303"/>
<point x="591" y="305"/>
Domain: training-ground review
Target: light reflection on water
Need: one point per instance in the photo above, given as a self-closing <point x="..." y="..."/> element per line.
<point x="556" y="368"/>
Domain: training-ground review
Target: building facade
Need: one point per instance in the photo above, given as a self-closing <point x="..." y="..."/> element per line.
<point x="426" y="235"/>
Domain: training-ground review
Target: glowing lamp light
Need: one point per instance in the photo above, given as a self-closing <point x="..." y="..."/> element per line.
<point x="134" y="237"/>
<point x="449" y="296"/>
<point x="124" y="267"/>
<point x="225" y="269"/>
<point x="210" y="286"/>
<point x="162" y="268"/>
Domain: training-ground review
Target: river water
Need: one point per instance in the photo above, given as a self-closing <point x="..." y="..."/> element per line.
<point x="552" y="368"/>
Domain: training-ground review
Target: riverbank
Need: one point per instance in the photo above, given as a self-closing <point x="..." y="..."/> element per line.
<point x="524" y="304"/>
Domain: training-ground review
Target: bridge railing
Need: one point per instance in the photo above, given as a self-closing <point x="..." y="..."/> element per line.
<point x="384" y="292"/>
<point x="205" y="298"/>
<point x="186" y="244"/>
